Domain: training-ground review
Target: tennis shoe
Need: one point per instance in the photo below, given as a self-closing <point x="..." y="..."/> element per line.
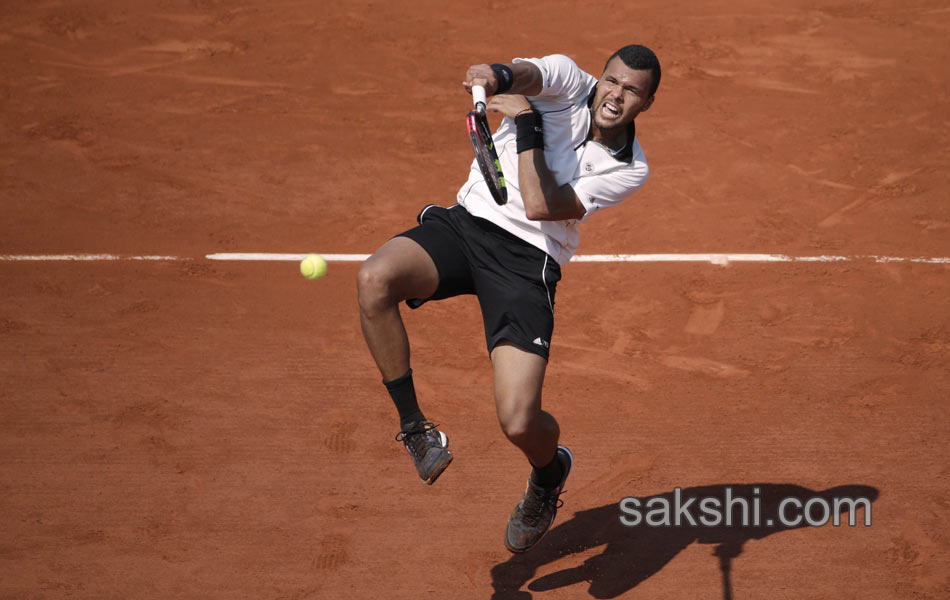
<point x="429" y="449"/>
<point x="535" y="514"/>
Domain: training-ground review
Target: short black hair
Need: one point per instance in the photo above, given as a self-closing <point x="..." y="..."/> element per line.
<point x="639" y="58"/>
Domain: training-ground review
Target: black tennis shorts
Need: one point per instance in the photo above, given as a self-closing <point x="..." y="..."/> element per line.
<point x="514" y="281"/>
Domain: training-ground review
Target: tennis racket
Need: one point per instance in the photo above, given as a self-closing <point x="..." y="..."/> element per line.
<point x="484" y="147"/>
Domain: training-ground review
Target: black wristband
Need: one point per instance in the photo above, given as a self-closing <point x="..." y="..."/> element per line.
<point x="530" y="135"/>
<point x="504" y="76"/>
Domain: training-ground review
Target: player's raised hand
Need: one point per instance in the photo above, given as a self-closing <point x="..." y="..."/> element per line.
<point x="480" y="75"/>
<point x="509" y="105"/>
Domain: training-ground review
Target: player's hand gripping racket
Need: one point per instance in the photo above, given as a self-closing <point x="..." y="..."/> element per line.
<point x="484" y="147"/>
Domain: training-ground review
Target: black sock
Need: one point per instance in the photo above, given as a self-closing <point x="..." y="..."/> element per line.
<point x="549" y="475"/>
<point x="403" y="394"/>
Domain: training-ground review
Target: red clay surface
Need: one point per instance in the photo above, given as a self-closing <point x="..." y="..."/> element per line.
<point x="193" y="429"/>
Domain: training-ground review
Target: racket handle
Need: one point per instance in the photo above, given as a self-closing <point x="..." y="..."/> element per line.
<point x="478" y="97"/>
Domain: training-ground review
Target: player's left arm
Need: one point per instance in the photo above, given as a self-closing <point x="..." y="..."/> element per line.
<point x="544" y="199"/>
<point x="526" y="79"/>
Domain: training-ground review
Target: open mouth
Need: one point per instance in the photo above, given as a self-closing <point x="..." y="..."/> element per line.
<point x="610" y="110"/>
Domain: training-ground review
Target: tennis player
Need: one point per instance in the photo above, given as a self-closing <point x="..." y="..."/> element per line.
<point x="568" y="149"/>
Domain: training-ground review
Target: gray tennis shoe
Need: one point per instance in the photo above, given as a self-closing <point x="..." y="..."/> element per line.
<point x="429" y="449"/>
<point x="535" y="514"/>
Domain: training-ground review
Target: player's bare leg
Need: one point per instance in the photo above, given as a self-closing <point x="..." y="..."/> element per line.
<point x="398" y="271"/>
<point x="519" y="376"/>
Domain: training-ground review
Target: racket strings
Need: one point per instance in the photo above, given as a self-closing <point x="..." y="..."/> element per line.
<point x="486" y="157"/>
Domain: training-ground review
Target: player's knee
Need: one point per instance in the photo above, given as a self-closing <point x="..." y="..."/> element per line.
<point x="518" y="427"/>
<point x="374" y="286"/>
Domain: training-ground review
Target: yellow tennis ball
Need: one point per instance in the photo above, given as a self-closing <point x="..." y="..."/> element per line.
<point x="313" y="266"/>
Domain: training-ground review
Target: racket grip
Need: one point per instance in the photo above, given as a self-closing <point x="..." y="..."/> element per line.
<point x="478" y="97"/>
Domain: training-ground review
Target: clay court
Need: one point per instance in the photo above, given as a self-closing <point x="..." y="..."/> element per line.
<point x="173" y="426"/>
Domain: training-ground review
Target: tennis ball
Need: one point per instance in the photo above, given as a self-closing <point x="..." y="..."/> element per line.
<point x="313" y="266"/>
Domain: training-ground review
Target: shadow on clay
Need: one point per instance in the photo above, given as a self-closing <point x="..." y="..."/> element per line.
<point x="633" y="554"/>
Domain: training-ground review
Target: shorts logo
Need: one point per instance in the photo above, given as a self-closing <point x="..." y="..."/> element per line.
<point x="540" y="342"/>
<point x="588" y="167"/>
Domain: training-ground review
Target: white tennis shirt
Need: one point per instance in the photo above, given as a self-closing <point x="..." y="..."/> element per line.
<point x="600" y="178"/>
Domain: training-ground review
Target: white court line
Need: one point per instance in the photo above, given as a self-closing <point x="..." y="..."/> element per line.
<point x="713" y="258"/>
<point x="265" y="256"/>
<point x="83" y="257"/>
<point x="716" y="258"/>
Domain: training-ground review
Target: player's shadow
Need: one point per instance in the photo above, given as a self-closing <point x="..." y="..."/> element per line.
<point x="633" y="554"/>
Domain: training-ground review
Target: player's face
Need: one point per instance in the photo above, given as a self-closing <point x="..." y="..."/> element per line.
<point x="622" y="94"/>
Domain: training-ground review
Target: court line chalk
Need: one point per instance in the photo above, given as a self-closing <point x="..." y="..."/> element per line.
<point x="267" y="257"/>
<point x="712" y="258"/>
<point x="82" y="257"/>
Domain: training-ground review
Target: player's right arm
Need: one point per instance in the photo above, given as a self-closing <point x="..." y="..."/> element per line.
<point x="544" y="199"/>
<point x="526" y="78"/>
